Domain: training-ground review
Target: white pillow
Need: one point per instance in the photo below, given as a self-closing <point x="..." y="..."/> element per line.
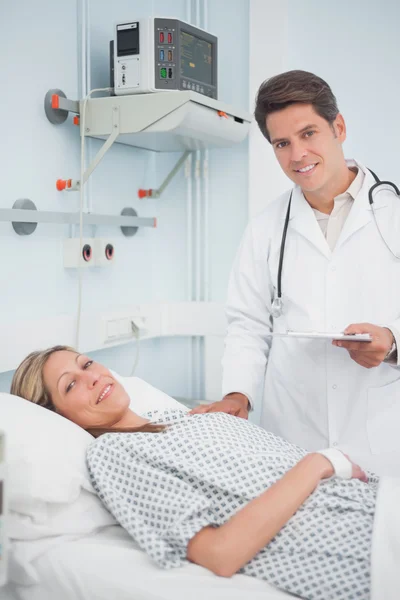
<point x="46" y="456"/>
<point x="49" y="489"/>
<point x="145" y="397"/>
<point x="47" y="453"/>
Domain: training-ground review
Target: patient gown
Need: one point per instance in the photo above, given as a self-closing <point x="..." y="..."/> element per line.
<point x="165" y="487"/>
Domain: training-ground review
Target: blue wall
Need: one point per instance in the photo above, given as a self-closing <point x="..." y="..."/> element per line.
<point x="355" y="47"/>
<point x="151" y="267"/>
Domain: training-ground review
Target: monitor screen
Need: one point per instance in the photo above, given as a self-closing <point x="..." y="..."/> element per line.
<point x="196" y="58"/>
<point x="128" y="39"/>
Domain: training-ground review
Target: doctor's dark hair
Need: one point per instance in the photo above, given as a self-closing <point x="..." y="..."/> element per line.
<point x="294" y="87"/>
<point x="28" y="383"/>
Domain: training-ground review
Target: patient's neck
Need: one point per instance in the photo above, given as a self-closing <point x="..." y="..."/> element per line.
<point x="130" y="419"/>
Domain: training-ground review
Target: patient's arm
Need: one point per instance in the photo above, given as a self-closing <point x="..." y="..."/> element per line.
<point x="226" y="549"/>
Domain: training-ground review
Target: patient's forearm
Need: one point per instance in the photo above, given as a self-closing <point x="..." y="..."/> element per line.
<point x="226" y="549"/>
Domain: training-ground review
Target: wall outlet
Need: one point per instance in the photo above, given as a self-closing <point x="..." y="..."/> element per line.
<point x="104" y="252"/>
<point x="76" y="254"/>
<point x="123" y="326"/>
<point x="117" y="328"/>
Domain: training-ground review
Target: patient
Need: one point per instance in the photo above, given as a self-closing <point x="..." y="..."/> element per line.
<point x="213" y="488"/>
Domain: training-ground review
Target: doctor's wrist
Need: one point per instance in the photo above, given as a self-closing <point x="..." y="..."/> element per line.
<point x="391" y="355"/>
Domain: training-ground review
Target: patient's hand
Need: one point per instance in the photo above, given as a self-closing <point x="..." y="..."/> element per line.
<point x="329" y="467"/>
<point x="233" y="404"/>
<point x="358" y="473"/>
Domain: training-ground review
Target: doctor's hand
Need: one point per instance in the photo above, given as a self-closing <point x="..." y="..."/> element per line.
<point x="235" y="404"/>
<point x="368" y="354"/>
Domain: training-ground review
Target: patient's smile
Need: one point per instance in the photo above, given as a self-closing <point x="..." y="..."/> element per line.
<point x="106" y="392"/>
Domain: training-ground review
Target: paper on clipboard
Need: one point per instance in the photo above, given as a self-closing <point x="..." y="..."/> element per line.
<point x="319" y="335"/>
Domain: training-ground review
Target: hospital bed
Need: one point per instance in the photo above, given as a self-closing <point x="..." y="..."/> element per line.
<point x="66" y="546"/>
<point x="109" y="565"/>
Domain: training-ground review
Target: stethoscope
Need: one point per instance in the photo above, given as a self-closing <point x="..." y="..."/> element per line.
<point x="277" y="304"/>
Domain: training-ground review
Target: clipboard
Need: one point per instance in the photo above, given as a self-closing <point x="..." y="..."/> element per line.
<point x="322" y="335"/>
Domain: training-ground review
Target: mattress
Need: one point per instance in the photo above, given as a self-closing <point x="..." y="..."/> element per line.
<point x="7" y="593"/>
<point x="108" y="565"/>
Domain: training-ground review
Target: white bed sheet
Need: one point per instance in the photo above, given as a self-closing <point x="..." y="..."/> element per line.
<point x="7" y="593"/>
<point x="385" y="557"/>
<point x="109" y="565"/>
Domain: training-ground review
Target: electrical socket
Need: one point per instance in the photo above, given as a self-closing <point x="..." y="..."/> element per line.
<point x="104" y="252"/>
<point x="75" y="254"/>
<point x="117" y="327"/>
<point x="138" y="324"/>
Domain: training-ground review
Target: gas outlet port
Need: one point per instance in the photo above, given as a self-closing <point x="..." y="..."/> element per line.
<point x="87" y="252"/>
<point x="109" y="252"/>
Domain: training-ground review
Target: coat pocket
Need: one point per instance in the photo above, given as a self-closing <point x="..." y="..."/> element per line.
<point x="383" y="418"/>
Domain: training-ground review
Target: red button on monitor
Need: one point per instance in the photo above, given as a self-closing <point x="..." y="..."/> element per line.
<point x="161" y="37"/>
<point x="170" y="38"/>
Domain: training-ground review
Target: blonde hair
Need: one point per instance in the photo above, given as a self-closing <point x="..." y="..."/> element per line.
<point x="28" y="383"/>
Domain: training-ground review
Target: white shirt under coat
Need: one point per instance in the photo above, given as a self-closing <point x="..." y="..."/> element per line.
<point x="314" y="394"/>
<point x="332" y="224"/>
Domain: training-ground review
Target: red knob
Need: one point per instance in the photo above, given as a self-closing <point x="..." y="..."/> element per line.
<point x="61" y="184"/>
<point x="144" y="193"/>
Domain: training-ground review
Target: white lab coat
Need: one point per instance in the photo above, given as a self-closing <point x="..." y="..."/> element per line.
<point x="314" y="394"/>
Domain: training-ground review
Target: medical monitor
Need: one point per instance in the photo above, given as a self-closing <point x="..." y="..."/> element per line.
<point x="161" y="54"/>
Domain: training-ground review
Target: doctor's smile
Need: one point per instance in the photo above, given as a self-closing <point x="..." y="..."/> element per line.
<point x="306" y="170"/>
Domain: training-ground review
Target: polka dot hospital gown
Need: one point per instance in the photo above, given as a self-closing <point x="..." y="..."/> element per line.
<point x="165" y="487"/>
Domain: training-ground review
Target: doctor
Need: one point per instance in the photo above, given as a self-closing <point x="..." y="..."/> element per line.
<point x="338" y="274"/>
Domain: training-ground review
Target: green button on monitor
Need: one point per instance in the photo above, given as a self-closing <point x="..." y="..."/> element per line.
<point x="163" y="73"/>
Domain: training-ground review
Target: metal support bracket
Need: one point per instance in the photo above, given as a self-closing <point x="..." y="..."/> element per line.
<point x="106" y="146"/>
<point x="157" y="193"/>
<point x="66" y="104"/>
<point x="73" y="185"/>
<point x="57" y="106"/>
<point x="24" y="216"/>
